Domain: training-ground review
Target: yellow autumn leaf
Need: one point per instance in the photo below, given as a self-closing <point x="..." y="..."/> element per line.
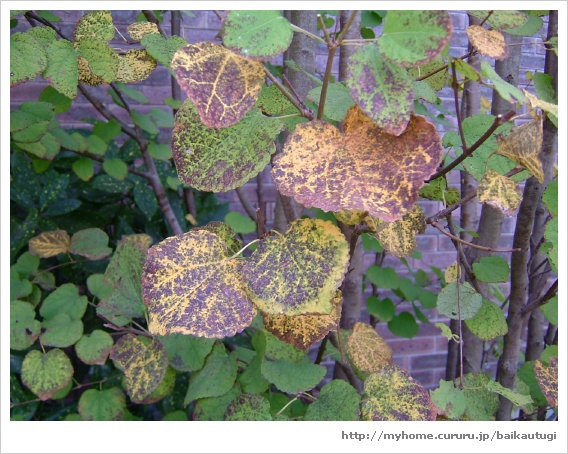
<point x="488" y="42"/>
<point x="49" y="244"/>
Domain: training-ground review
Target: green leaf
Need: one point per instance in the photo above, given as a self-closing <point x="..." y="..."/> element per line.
<point x="507" y="91"/>
<point x="198" y="293"/>
<point x="226" y="233"/>
<point x="91" y="243"/>
<point x="107" y="130"/>
<point x="337" y="401"/>
<point x="144" y="362"/>
<point x="338" y="100"/>
<point x="272" y="101"/>
<point x="529" y="28"/>
<point x="298" y="272"/>
<point x="103" y="405"/>
<point x="132" y="93"/>
<point x="438" y="190"/>
<point x="26" y="265"/>
<point x="274" y="349"/>
<point x="248" y="407"/>
<point x="446" y="331"/>
<point x="489" y="322"/>
<point x="550" y="197"/>
<point x="480" y="403"/>
<point x="449" y="399"/>
<point x="95" y="24"/>
<point x="550" y="310"/>
<point x="217" y="160"/>
<point x="24" y="328"/>
<point x="393" y="395"/>
<point x="159" y="151"/>
<point x="383" y="309"/>
<point x="30" y="122"/>
<point x="102" y="59"/>
<point x="381" y="88"/>
<point x="517" y="399"/>
<point x="83" y="168"/>
<point x="61" y="331"/>
<point x="470" y="301"/>
<point x="94" y="348"/>
<point x="163" y="49"/>
<point x="144" y="122"/>
<point x="527" y="375"/>
<point x="96" y="145"/>
<point x="186" y="353"/>
<point x="502" y="20"/>
<point x="215" y="378"/>
<point x="61" y="103"/>
<point x="436" y="81"/>
<point x="291" y="377"/>
<point x="46" y="373"/>
<point x="492" y="269"/>
<point x="145" y="199"/>
<point x="259" y="35"/>
<point x="404" y="325"/>
<point x="213" y="408"/>
<point x="413" y="38"/>
<point x="64" y="300"/>
<point x="178" y="415"/>
<point x="27" y="58"/>
<point x="251" y="380"/>
<point x="551" y="235"/>
<point x="240" y="223"/>
<point x="62" y="72"/>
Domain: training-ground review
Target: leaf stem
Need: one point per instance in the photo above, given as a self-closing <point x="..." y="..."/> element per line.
<point x="307" y="33"/>
<point x="307" y="113"/>
<point x="243" y="249"/>
<point x="286" y="406"/>
<point x="457" y="105"/>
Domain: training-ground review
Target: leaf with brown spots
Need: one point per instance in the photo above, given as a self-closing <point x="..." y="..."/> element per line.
<point x="523" y="145"/>
<point x="190" y="286"/>
<point x="217" y="160"/>
<point x="226" y="233"/>
<point x="144" y="362"/>
<point x="223" y="85"/>
<point x="399" y="237"/>
<point x="500" y="192"/>
<point x="49" y="244"/>
<point x="366" y="168"/>
<point x="303" y="331"/>
<point x="138" y="30"/>
<point x="97" y="24"/>
<point x="297" y="273"/>
<point x="46" y="373"/>
<point x="488" y="42"/>
<point x="393" y="395"/>
<point x="135" y="66"/>
<point x="501" y="20"/>
<point x="547" y="378"/>
<point x="367" y="350"/>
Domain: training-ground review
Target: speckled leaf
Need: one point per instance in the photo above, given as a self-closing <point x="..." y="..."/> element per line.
<point x="547" y="378"/>
<point x="91" y="243"/>
<point x="489" y="322"/>
<point x="549" y="107"/>
<point x="399" y="237"/>
<point x="46" y="373"/>
<point x="135" y="66"/>
<point x="103" y="405"/>
<point x="438" y="190"/>
<point x="138" y="30"/>
<point x="508" y="92"/>
<point x="469" y="300"/>
<point x="101" y="58"/>
<point x="222" y="85"/>
<point x="24" y="328"/>
<point x="500" y="192"/>
<point x="381" y="88"/>
<point x="413" y="38"/>
<point x="64" y="300"/>
<point x="492" y="269"/>
<point x="449" y="400"/>
<point x="87" y="76"/>
<point x="274" y="348"/>
<point x="517" y="399"/>
<point x="191" y="287"/>
<point x="28" y="58"/>
<point x="144" y="362"/>
<point x="95" y="24"/>
<point x="186" y="353"/>
<point x="259" y="35"/>
<point x="164" y="389"/>
<point x="438" y="80"/>
<point x="217" y="160"/>
<point x="480" y="403"/>
<point x="337" y="102"/>
<point x="215" y="378"/>
<point x="366" y="168"/>
<point x="49" y="244"/>
<point x="291" y="377"/>
<point x="248" y="407"/>
<point x="299" y="272"/>
<point x="272" y="101"/>
<point x="226" y="233"/>
<point x="453" y="272"/>
<point x="393" y="395"/>
<point x="337" y="401"/>
<point x="303" y="331"/>
<point x="213" y="408"/>
<point x="94" y="348"/>
<point x="523" y="145"/>
<point x="163" y="49"/>
<point x="62" y="72"/>
<point x="61" y="331"/>
<point x="367" y="350"/>
<point x="489" y="42"/>
<point x="501" y="20"/>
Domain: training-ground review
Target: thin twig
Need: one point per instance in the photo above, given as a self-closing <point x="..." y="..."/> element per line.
<point x="457" y="105"/>
<point x="151" y="17"/>
<point x="307" y="113"/>
<point x="297" y="29"/>
<point x="245" y="202"/>
<point x="535" y="304"/>
<point x="324" y="28"/>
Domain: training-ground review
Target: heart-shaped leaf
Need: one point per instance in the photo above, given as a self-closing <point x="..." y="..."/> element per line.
<point x="46" y="373"/>
<point x="218" y="160"/>
<point x="298" y="272"/>
<point x="459" y="303"/>
<point x="368" y="351"/>
<point x="191" y="287"/>
<point x="222" y="85"/>
<point x="187" y="353"/>
<point x="491" y="269"/>
<point x="49" y="244"/>
<point x="291" y="377"/>
<point x="94" y="348"/>
<point x="61" y="331"/>
<point x="449" y="399"/>
<point x="24" y="328"/>
<point x="91" y="243"/>
<point x="95" y="24"/>
<point x="104" y="405"/>
<point x="489" y="322"/>
<point x="366" y="168"/>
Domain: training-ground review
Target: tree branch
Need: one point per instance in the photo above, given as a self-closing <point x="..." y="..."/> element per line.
<point x="536" y="303"/>
<point x="307" y="113"/>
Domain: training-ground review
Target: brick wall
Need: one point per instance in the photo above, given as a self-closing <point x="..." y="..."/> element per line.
<point x="425" y="354"/>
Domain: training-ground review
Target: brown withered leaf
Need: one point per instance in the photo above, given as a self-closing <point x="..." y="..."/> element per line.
<point x="366" y="168"/>
<point x="48" y="244"/>
<point x="368" y="351"/>
<point x="523" y="145"/>
<point x="500" y="192"/>
<point x="223" y="85"/>
<point x="303" y="331"/>
<point x="547" y="378"/>
<point x="488" y="42"/>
